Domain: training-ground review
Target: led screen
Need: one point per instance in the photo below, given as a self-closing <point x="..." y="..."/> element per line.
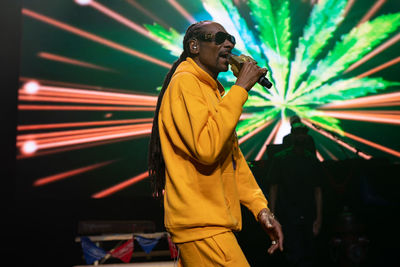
<point x="91" y="72"/>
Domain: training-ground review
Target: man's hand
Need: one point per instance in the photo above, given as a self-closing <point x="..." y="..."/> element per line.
<point x="273" y="229"/>
<point x="249" y="75"/>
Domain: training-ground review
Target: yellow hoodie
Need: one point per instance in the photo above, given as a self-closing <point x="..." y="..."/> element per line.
<point x="207" y="176"/>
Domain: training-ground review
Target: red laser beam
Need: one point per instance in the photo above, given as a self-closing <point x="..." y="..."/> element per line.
<point x="148" y="13"/>
<point x="269" y="139"/>
<point x="33" y="88"/>
<point x="81" y="139"/>
<point x="330" y="154"/>
<point x="74" y="147"/>
<point x="72" y="61"/>
<point x="244" y="116"/>
<point x="390" y="99"/>
<point x="360" y="140"/>
<point x="182" y="11"/>
<point x="62" y="84"/>
<point x="118" y="187"/>
<point x="319" y="156"/>
<point x="25" y="94"/>
<point x="94" y="37"/>
<point x="369" y="116"/>
<point x="338" y="141"/>
<point x="70" y="173"/>
<point x="70" y="133"/>
<point x="74" y="99"/>
<point x="378" y="4"/>
<point x="379" y="68"/>
<point x="374" y="52"/>
<point x="252" y="133"/>
<point x="78" y="124"/>
<point x="83" y="108"/>
<point x="130" y="24"/>
<point x="57" y="137"/>
<point x="373" y="144"/>
<point x="349" y="5"/>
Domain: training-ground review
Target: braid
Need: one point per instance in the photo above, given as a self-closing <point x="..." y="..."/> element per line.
<point x="156" y="162"/>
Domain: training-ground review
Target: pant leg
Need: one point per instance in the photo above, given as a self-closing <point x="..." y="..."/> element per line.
<point x="220" y="250"/>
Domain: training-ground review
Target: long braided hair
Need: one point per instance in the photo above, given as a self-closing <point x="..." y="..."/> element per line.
<point x="156" y="162"/>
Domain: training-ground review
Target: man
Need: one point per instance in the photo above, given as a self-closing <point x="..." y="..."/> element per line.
<point x="295" y="194"/>
<point x="195" y="161"/>
<point x="298" y="137"/>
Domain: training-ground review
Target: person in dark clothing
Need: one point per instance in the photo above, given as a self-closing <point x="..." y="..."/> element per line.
<point x="295" y="194"/>
<point x="298" y="137"/>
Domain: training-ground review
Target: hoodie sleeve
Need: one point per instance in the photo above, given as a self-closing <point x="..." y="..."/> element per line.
<point x="203" y="128"/>
<point x="250" y="194"/>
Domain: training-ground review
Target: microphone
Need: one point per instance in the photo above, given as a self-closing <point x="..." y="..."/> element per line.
<point x="236" y="63"/>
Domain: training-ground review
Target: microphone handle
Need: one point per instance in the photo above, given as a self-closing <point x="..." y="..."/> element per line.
<point x="265" y="82"/>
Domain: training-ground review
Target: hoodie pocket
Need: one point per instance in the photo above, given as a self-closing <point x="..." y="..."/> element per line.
<point x="221" y="245"/>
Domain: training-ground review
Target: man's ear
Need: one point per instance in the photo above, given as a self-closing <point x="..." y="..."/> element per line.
<point x="194" y="46"/>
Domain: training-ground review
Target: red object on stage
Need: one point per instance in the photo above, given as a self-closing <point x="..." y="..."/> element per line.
<point x="124" y="252"/>
<point x="172" y="248"/>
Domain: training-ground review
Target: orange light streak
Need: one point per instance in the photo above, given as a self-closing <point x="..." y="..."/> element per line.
<point x="31" y="87"/>
<point x="67" y="174"/>
<point x="93" y="138"/>
<point x="391" y="112"/>
<point x="120" y="186"/>
<point x="249" y="153"/>
<point x="375" y="52"/>
<point x="73" y="133"/>
<point x="244" y="116"/>
<point x="361" y="140"/>
<point x="380" y="67"/>
<point x="329" y="153"/>
<point x="79" y="146"/>
<point x="182" y="11"/>
<point x="269" y="139"/>
<point x="40" y="143"/>
<point x="130" y="24"/>
<point x="71" y="61"/>
<point x="319" y="156"/>
<point x="369" y="116"/>
<point x="378" y="4"/>
<point x="252" y="133"/>
<point x="78" y="124"/>
<point x="92" y="94"/>
<point x="389" y="99"/>
<point x="74" y="85"/>
<point x="340" y="142"/>
<point x="32" y="98"/>
<point x="148" y="13"/>
<point x="84" y="108"/>
<point x="78" y="96"/>
<point x="348" y="7"/>
<point x="94" y="37"/>
<point x="374" y="145"/>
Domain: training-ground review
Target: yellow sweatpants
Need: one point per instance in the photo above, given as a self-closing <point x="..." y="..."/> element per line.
<point x="219" y="250"/>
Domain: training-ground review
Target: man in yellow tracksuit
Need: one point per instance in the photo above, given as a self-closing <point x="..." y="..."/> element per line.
<point x="206" y="175"/>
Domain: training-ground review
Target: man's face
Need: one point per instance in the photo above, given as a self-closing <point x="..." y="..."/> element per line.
<point x="212" y="57"/>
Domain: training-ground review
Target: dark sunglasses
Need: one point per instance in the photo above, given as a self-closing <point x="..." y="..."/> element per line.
<point x="218" y="38"/>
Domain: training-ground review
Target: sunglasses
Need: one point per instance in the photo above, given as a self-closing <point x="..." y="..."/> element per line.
<point x="218" y="38"/>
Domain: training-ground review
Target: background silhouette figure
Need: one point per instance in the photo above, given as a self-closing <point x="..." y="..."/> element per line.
<point x="295" y="194"/>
